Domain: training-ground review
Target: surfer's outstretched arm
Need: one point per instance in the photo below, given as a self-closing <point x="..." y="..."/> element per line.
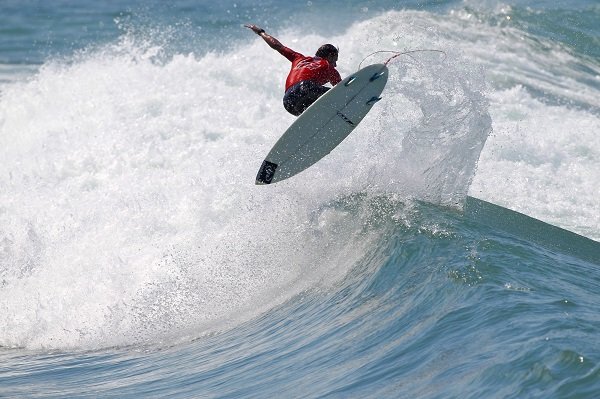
<point x="270" y="40"/>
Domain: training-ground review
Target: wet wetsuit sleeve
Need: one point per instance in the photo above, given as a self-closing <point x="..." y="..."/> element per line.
<point x="289" y="53"/>
<point x="335" y="77"/>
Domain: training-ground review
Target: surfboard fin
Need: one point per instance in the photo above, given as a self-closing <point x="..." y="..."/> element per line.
<point x="373" y="100"/>
<point x="352" y="79"/>
<point x="377" y="76"/>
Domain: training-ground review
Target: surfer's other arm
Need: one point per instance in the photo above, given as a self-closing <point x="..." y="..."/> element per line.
<point x="270" y="40"/>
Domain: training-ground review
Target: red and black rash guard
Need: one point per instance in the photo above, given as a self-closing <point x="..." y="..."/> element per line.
<point x="309" y="68"/>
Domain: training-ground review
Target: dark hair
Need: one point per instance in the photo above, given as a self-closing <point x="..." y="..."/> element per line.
<point x="326" y="50"/>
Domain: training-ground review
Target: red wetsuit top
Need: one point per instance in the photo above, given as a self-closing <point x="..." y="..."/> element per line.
<point x="309" y="68"/>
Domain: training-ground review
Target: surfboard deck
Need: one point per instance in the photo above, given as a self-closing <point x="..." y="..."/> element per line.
<point x="324" y="125"/>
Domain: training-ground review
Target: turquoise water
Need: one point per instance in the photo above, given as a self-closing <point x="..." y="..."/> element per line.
<point x="448" y="248"/>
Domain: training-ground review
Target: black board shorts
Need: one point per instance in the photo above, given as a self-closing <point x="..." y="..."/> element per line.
<point x="301" y="95"/>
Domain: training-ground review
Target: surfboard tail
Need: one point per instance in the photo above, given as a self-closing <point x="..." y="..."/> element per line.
<point x="266" y="172"/>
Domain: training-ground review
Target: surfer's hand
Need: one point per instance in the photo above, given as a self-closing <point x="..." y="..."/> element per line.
<point x="255" y="29"/>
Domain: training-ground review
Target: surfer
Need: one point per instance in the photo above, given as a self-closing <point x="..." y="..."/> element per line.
<point x="308" y="75"/>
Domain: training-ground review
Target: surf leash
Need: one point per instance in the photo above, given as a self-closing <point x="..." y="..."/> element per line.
<point x="400" y="53"/>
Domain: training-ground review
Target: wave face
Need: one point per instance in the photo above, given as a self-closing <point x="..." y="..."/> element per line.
<point x="134" y="244"/>
<point x="433" y="302"/>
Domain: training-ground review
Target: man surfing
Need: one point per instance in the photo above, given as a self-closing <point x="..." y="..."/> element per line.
<point x="308" y="75"/>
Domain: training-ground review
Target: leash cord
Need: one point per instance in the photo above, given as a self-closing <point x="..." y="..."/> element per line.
<point x="398" y="54"/>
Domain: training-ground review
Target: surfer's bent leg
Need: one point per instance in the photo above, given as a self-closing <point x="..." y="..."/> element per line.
<point x="301" y="95"/>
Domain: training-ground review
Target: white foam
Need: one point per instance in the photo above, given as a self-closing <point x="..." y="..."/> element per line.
<point x="543" y="157"/>
<point x="542" y="160"/>
<point x="129" y="211"/>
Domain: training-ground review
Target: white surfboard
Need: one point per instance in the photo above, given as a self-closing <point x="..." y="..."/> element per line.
<point x="324" y="125"/>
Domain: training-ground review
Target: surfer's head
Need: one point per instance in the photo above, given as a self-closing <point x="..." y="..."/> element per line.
<point x="328" y="52"/>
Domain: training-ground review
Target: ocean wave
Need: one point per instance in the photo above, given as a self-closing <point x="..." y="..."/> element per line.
<point x="129" y="211"/>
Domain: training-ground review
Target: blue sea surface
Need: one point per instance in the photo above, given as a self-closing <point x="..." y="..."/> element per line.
<point x="449" y="248"/>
